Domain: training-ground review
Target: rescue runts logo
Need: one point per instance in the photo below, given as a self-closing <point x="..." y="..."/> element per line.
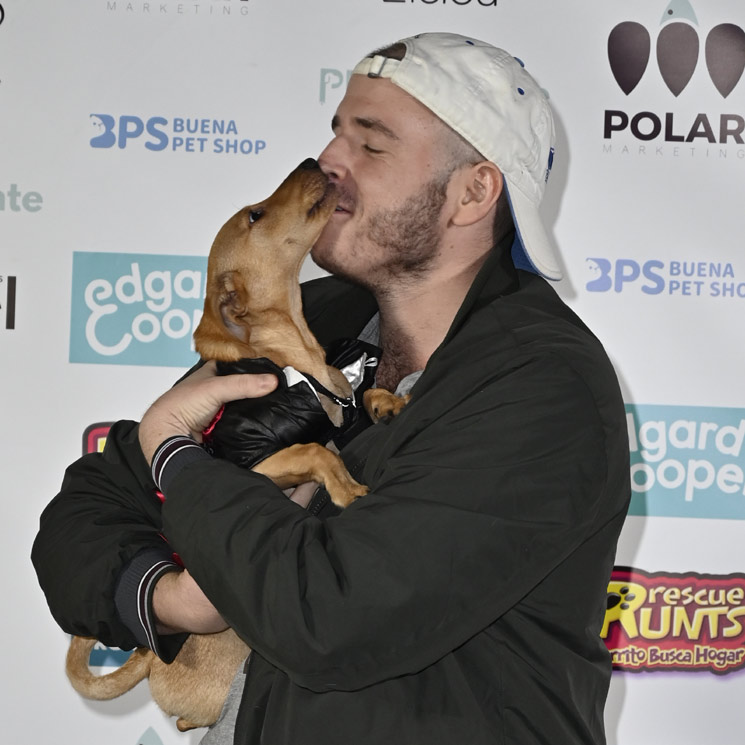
<point x="664" y="621"/>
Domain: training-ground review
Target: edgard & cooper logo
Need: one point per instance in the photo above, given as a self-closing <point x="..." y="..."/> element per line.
<point x="182" y="134"/>
<point x="686" y="461"/>
<point x="677" y="55"/>
<point x="103" y="656"/>
<point x="136" y="309"/>
<point x="663" y="621"/>
<point x="716" y="279"/>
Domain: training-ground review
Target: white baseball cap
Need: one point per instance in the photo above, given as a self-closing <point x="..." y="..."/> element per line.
<point x="487" y="96"/>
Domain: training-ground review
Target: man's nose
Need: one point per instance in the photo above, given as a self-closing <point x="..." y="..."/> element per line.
<point x="333" y="161"/>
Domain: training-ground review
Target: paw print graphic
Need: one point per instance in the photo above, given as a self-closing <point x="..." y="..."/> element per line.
<point x="622" y="598"/>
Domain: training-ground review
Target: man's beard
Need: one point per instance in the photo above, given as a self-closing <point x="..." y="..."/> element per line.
<point x="408" y="239"/>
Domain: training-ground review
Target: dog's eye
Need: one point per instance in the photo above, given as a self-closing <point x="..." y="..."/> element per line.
<point x="254" y="215"/>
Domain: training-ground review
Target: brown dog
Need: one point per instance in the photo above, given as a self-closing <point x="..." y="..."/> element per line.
<point x="252" y="309"/>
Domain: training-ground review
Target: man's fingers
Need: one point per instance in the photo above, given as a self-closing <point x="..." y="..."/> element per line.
<point x="234" y="387"/>
<point x="190" y="406"/>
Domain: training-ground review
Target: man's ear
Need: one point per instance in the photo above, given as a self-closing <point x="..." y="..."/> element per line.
<point x="478" y="188"/>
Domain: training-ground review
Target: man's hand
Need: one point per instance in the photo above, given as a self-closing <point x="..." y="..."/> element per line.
<point x="180" y="605"/>
<point x="191" y="405"/>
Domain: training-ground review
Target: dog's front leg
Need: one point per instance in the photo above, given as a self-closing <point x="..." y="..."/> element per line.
<point x="312" y="462"/>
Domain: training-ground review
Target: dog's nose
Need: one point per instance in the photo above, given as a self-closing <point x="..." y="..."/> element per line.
<point x="309" y="164"/>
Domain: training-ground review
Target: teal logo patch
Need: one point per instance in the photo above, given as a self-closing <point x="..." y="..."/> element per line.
<point x="136" y="309"/>
<point x="687" y="461"/>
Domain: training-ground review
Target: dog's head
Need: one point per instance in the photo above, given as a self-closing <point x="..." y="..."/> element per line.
<point x="277" y="234"/>
<point x="258" y="253"/>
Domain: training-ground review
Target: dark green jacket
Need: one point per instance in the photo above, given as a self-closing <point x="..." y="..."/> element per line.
<point x="458" y="603"/>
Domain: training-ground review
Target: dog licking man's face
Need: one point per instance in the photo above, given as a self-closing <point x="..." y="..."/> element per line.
<point x="284" y="227"/>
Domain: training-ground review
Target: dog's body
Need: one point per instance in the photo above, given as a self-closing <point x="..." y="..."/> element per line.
<point x="253" y="309"/>
<point x="193" y="687"/>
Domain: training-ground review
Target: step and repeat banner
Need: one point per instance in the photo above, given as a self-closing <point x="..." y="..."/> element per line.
<point x="130" y="131"/>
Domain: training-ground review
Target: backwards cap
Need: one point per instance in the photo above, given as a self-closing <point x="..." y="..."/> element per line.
<point x="487" y="96"/>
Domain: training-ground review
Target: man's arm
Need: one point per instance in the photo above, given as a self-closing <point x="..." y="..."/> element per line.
<point x="467" y="518"/>
<point x="100" y="554"/>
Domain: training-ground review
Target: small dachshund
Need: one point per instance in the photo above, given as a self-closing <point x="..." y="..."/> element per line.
<point x="252" y="310"/>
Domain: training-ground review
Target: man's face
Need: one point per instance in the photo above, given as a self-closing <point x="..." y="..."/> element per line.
<point x="388" y="164"/>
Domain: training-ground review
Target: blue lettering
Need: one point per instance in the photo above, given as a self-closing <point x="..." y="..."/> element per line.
<point x="623" y="276"/>
<point x="602" y="282"/>
<point x="127" y="133"/>
<point x="658" y="282"/>
<point x="160" y="137"/>
<point x="103" y="125"/>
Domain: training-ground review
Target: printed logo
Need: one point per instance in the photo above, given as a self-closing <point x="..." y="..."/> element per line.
<point x="675" y="58"/>
<point x="149" y="737"/>
<point x="94" y="437"/>
<point x="16" y="201"/>
<point x="664" y="621"/>
<point x="332" y="79"/>
<point x="103" y="656"/>
<point x="686" y="461"/>
<point x="136" y="309"/>
<point x="483" y="3"/>
<point x="2" y="14"/>
<point x="8" y="300"/>
<point x="655" y="277"/>
<point x="157" y="133"/>
<point x="677" y="51"/>
<point x="213" y="9"/>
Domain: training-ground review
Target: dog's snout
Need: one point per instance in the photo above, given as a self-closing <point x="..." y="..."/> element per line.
<point x="309" y="164"/>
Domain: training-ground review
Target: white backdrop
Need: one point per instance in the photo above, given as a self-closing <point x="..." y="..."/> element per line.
<point x="129" y="131"/>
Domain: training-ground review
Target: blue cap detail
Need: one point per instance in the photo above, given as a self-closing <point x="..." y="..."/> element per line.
<point x="520" y="257"/>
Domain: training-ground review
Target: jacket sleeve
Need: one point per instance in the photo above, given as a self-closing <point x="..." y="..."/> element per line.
<point x="107" y="513"/>
<point x="469" y="513"/>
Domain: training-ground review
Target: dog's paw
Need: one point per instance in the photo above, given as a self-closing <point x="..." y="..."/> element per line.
<point x="343" y="491"/>
<point x="381" y="404"/>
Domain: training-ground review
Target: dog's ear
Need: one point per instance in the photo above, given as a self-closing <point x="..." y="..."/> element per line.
<point x="233" y="302"/>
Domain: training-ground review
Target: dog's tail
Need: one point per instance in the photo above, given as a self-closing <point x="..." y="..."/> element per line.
<point x="104" y="687"/>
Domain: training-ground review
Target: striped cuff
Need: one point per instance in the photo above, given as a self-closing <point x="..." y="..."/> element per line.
<point x="134" y="601"/>
<point x="171" y="456"/>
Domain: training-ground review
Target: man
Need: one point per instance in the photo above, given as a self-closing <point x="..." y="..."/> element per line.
<point x="461" y="600"/>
